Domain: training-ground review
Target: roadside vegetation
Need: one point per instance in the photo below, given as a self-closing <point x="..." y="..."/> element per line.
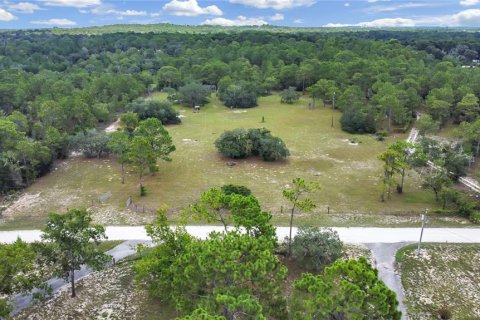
<point x="229" y="275"/>
<point x="441" y="282"/>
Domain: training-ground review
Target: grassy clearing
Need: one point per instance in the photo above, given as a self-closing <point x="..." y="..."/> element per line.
<point x="349" y="173"/>
<point x="441" y="274"/>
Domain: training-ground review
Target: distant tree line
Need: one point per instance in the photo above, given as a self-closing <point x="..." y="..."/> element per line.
<point x="56" y="85"/>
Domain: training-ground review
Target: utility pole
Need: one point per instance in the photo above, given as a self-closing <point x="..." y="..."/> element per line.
<point x="333" y="106"/>
<point x="423" y="218"/>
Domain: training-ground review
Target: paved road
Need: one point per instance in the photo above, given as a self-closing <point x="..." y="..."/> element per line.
<point x="121" y="251"/>
<point x="349" y="235"/>
<point x="384" y="254"/>
<point x="384" y="243"/>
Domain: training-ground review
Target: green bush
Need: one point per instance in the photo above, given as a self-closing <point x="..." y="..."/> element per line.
<point x="355" y="120"/>
<point x="240" y="143"/>
<point x="316" y="247"/>
<point x="143" y="191"/>
<point x="475" y="217"/>
<point x="241" y="95"/>
<point x="162" y="110"/>
<point x="234" y="144"/>
<point x="229" y="189"/>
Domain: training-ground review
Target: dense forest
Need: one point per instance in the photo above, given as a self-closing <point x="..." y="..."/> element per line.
<point x="56" y="85"/>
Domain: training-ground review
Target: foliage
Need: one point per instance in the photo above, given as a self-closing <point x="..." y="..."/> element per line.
<point x="240" y="143"/>
<point x="229" y="189"/>
<point x="151" y="141"/>
<point x="71" y="240"/>
<point x="289" y="95"/>
<point x="242" y="95"/>
<point x="119" y="143"/>
<point x="242" y="211"/>
<point x="355" y="120"/>
<point x="293" y="194"/>
<point x="475" y="217"/>
<point x="426" y="125"/>
<point x="129" y="121"/>
<point x="92" y="144"/>
<point x="346" y="290"/>
<point x="147" y="108"/>
<point x="194" y="94"/>
<point x="396" y="160"/>
<point x="223" y="271"/>
<point x="316" y="248"/>
<point x="57" y="82"/>
<point x="18" y="272"/>
<point x="436" y="178"/>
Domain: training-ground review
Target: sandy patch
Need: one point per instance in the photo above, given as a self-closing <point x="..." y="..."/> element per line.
<point x="113" y="127"/>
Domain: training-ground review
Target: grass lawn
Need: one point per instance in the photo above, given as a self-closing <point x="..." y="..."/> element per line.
<point x="442" y="274"/>
<point x="349" y="173"/>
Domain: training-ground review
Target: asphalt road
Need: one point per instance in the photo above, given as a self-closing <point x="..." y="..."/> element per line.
<point x="384" y="243"/>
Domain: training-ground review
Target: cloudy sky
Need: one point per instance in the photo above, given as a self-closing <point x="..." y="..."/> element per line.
<point x="306" y="13"/>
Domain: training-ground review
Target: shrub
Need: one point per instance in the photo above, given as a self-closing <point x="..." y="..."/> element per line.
<point x="239" y="96"/>
<point x="289" y="95"/>
<point x="240" y="143"/>
<point x="162" y="110"/>
<point x="234" y="144"/>
<point x="143" y="191"/>
<point x="273" y="149"/>
<point x="229" y="189"/>
<point x="316" y="247"/>
<point x="355" y="120"/>
<point x="475" y="217"/>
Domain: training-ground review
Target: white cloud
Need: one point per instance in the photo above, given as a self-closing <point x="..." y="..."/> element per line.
<point x="298" y="21"/>
<point x="72" y="3"/>
<point x="275" y="4"/>
<point x="6" y="16"/>
<point x="55" y="22"/>
<point x="23" y="7"/>
<point x="469" y="3"/>
<point x="336" y="25"/>
<point x="128" y="13"/>
<point x="388" y="22"/>
<point x="346" y="4"/>
<point x="409" y="5"/>
<point x="277" y="17"/>
<point x="190" y="8"/>
<point x="108" y="10"/>
<point x="155" y="14"/>
<point x="469" y="17"/>
<point x="239" y="21"/>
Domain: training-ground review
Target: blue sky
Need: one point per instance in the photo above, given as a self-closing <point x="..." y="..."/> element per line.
<point x="306" y="13"/>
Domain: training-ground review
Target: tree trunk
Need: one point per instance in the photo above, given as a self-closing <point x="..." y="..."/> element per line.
<point x="72" y="281"/>
<point x="390" y="120"/>
<point x="123" y="173"/>
<point x="436" y="194"/>
<point x="400" y="189"/>
<point x="291" y="226"/>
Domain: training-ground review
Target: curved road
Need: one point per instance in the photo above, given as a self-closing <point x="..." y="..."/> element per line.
<point x="384" y="243"/>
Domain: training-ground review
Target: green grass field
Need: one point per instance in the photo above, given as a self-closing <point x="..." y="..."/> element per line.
<point x="441" y="274"/>
<point x="349" y="173"/>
